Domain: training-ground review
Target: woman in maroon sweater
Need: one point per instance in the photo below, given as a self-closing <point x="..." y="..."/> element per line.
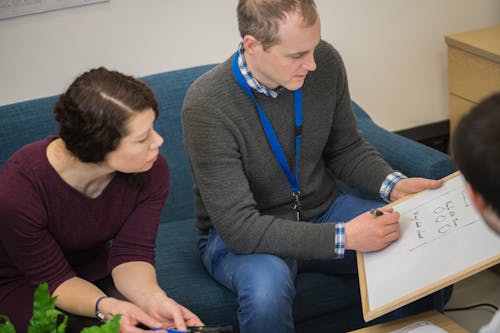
<point x="80" y="211"/>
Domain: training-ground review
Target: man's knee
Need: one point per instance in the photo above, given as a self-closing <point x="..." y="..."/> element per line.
<point x="267" y="286"/>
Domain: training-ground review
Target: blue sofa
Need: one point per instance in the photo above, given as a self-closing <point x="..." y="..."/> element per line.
<point x="323" y="303"/>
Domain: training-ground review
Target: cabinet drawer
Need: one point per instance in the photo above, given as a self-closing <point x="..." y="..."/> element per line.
<point x="470" y="76"/>
<point x="458" y="108"/>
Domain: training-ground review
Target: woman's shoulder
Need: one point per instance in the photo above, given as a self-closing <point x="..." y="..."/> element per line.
<point x="160" y="167"/>
<point x="29" y="157"/>
<point x="158" y="177"/>
<point x="22" y="179"/>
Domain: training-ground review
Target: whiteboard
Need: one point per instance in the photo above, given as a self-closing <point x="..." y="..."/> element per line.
<point x="442" y="240"/>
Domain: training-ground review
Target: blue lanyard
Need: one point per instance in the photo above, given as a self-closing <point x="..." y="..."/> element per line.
<point x="271" y="135"/>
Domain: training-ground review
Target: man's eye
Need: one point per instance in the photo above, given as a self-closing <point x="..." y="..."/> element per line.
<point x="298" y="56"/>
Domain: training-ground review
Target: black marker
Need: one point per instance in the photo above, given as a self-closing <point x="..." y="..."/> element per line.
<point x="376" y="212"/>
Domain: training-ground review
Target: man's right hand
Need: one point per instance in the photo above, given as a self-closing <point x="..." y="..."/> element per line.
<point x="368" y="233"/>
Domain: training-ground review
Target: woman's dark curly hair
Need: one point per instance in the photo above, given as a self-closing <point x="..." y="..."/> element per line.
<point x="93" y="112"/>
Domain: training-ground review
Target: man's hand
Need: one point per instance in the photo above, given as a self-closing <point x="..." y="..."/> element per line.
<point x="413" y="185"/>
<point x="368" y="233"/>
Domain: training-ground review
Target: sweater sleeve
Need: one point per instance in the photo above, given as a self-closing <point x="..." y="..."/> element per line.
<point x="24" y="233"/>
<point x="136" y="238"/>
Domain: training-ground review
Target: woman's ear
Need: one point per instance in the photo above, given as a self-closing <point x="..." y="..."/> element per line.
<point x="477" y="199"/>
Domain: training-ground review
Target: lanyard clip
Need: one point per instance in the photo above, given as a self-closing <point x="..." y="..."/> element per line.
<point x="296" y="205"/>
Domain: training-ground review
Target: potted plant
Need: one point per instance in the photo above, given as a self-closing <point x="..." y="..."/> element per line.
<point x="47" y="319"/>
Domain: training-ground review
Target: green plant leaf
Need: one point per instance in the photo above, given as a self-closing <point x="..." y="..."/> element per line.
<point x="47" y="319"/>
<point x="6" y="326"/>
<point x="45" y="315"/>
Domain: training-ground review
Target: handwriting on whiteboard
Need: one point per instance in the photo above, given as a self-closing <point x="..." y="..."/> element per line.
<point x="440" y="217"/>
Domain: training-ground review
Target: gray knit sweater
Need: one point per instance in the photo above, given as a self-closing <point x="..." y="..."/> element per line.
<point x="240" y="188"/>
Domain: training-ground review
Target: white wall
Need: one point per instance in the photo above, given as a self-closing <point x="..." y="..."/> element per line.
<point x="394" y="50"/>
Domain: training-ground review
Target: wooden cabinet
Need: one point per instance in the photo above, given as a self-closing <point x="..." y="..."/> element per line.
<point x="473" y="69"/>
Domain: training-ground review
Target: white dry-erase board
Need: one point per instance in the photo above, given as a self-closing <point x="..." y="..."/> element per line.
<point x="442" y="240"/>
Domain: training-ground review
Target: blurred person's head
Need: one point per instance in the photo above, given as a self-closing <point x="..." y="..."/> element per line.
<point x="476" y="150"/>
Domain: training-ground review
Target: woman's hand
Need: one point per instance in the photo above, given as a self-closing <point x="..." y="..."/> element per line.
<point x="131" y="315"/>
<point x="137" y="282"/>
<point x="171" y="314"/>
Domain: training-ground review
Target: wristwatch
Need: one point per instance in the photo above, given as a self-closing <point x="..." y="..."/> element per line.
<point x="99" y="315"/>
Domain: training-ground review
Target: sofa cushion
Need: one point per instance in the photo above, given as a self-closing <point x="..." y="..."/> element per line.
<point x="182" y="275"/>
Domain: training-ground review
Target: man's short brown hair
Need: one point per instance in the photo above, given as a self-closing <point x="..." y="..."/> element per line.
<point x="261" y="18"/>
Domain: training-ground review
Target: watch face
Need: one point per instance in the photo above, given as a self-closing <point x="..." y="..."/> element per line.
<point x="99" y="315"/>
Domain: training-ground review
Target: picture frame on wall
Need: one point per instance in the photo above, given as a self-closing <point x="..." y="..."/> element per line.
<point x="14" y="8"/>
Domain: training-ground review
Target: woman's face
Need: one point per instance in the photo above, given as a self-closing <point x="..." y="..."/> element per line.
<point x="137" y="151"/>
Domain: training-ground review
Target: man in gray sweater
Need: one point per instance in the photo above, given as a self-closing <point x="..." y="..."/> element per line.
<point x="267" y="134"/>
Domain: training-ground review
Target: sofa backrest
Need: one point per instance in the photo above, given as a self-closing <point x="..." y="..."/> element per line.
<point x="24" y="122"/>
<point x="170" y="89"/>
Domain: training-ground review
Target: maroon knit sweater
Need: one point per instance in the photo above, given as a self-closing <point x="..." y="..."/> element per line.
<point x="50" y="232"/>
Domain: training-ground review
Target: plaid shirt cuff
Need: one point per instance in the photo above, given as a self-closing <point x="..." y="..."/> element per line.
<point x="339" y="240"/>
<point x="389" y="183"/>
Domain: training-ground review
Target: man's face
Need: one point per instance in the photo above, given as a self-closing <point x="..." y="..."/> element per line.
<point x="287" y="63"/>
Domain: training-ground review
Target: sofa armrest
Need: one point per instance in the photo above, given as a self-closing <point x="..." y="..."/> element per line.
<point x="410" y="157"/>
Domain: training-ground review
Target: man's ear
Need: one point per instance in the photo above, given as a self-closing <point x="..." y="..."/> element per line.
<point x="477" y="198"/>
<point x="251" y="45"/>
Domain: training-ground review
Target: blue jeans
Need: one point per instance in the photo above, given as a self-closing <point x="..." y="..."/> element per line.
<point x="264" y="283"/>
